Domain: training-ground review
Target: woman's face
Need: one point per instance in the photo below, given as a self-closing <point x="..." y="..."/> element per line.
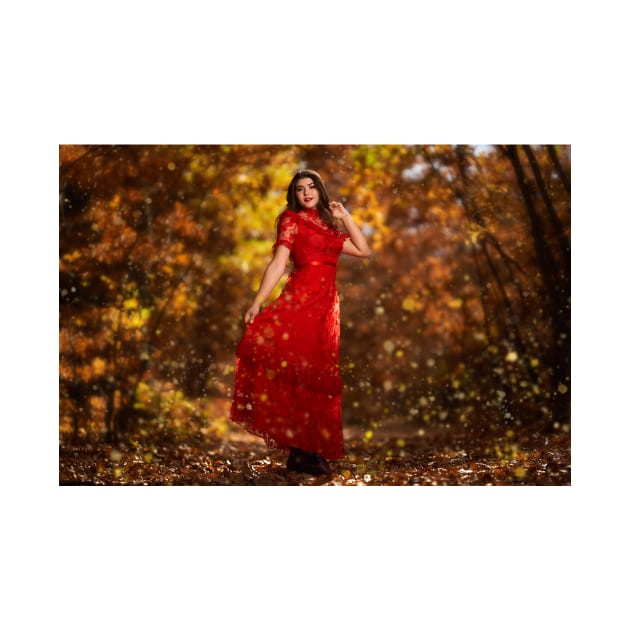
<point x="306" y="193"/>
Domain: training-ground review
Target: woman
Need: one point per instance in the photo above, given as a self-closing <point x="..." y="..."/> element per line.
<point x="287" y="386"/>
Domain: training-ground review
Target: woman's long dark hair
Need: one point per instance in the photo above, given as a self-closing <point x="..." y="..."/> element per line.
<point x="322" y="206"/>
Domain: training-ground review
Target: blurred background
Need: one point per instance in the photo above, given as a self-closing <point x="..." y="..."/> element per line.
<point x="460" y="320"/>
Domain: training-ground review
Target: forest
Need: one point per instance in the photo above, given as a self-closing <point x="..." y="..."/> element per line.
<point x="455" y="332"/>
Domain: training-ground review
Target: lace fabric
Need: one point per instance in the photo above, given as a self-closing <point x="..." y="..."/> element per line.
<point x="287" y="386"/>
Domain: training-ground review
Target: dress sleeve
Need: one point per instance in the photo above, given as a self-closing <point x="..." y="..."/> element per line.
<point x="286" y="230"/>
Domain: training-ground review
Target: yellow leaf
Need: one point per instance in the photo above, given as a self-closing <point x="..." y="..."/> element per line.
<point x="409" y="304"/>
<point x="180" y="301"/>
<point x="99" y="365"/>
<point x="520" y="472"/>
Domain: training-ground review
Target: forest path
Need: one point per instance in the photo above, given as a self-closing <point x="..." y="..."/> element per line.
<point x="393" y="453"/>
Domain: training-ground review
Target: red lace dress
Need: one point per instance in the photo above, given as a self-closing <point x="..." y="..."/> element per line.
<point x="287" y="386"/>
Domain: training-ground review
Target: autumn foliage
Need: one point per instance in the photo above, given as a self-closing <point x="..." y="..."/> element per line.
<point x="459" y="322"/>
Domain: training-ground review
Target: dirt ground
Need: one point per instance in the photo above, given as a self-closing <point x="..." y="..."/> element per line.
<point x="396" y="453"/>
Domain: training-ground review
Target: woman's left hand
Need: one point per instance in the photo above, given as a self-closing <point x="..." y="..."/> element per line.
<point x="337" y="209"/>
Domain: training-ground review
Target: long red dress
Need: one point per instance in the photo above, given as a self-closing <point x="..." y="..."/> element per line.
<point x="287" y="386"/>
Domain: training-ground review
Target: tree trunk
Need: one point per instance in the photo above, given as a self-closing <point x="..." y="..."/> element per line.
<point x="553" y="154"/>
<point x="559" y="232"/>
<point x="558" y="308"/>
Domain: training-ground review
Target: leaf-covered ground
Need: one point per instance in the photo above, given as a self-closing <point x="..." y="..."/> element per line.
<point x="394" y="455"/>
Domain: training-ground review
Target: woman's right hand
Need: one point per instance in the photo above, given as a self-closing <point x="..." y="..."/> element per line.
<point x="251" y="313"/>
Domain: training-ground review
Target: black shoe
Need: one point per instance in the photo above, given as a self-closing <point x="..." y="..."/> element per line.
<point x="310" y="463"/>
<point x="297" y="459"/>
<point x="316" y="464"/>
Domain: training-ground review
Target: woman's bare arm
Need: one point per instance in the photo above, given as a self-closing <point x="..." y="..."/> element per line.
<point x="357" y="245"/>
<point x="271" y="277"/>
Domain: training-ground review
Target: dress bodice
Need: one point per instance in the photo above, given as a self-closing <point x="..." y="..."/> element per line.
<point x="308" y="238"/>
